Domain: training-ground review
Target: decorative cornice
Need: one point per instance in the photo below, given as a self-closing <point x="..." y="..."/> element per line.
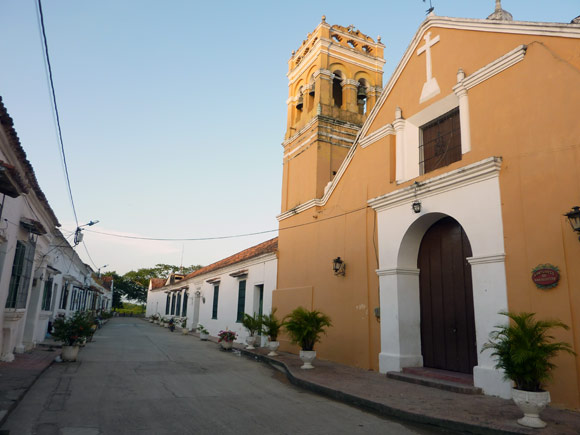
<point x="397" y="271"/>
<point x="487" y="259"/>
<point x="476" y="172"/>
<point x="491" y="69"/>
<point x="377" y="135"/>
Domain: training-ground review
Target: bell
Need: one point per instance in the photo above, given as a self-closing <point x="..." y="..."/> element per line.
<point x="311" y="91"/>
<point x="361" y="93"/>
<point x="300" y="103"/>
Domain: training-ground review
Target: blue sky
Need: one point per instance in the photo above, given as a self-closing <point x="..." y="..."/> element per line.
<point x="173" y="112"/>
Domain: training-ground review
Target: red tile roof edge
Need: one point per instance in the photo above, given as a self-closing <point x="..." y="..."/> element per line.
<point x="8" y="124"/>
<point x="263" y="248"/>
<point x="157" y="282"/>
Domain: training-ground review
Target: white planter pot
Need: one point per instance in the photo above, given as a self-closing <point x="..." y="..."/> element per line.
<point x="307" y="356"/>
<point x="273" y="346"/>
<point x="203" y="337"/>
<point x="185" y="331"/>
<point x="69" y="353"/>
<point x="531" y="404"/>
<point x="250" y="341"/>
<point x="226" y="345"/>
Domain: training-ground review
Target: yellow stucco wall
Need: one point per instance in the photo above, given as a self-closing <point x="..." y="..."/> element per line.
<point x="528" y="115"/>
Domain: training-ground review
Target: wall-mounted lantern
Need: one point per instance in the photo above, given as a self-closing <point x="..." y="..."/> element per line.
<point x="574" y="219"/>
<point x="338" y="266"/>
<point x="417" y="206"/>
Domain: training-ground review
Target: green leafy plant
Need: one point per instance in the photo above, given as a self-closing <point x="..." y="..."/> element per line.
<point x="524" y="349"/>
<point x="184" y="322"/>
<point x="70" y="331"/>
<point x="201" y="329"/>
<point x="271" y="325"/>
<point x="226" y="336"/>
<point x="305" y="327"/>
<point x="252" y="323"/>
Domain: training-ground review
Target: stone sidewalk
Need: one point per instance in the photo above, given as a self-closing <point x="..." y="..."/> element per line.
<point x="415" y="403"/>
<point x="17" y="377"/>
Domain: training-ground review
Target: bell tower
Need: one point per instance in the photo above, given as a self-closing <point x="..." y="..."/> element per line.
<point x="334" y="80"/>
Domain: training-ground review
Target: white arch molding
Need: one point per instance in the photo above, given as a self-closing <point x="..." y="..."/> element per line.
<point x="471" y="196"/>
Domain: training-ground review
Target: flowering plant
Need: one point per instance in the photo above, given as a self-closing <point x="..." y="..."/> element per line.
<point x="227" y="336"/>
<point x="72" y="330"/>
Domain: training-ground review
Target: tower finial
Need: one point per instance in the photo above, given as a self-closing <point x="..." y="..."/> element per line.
<point x="500" y="14"/>
<point x="324" y="18"/>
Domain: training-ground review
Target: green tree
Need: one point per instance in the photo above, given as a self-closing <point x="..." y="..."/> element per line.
<point x="134" y="284"/>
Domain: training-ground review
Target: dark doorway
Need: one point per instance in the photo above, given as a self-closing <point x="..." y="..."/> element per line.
<point x="447" y="316"/>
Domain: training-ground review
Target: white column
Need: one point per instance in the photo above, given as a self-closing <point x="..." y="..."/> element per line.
<point x="399" y="126"/>
<point x="461" y="92"/>
<point x="489" y="298"/>
<point x="400" y="319"/>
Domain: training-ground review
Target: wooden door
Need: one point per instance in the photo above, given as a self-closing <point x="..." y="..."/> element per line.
<point x="446" y="295"/>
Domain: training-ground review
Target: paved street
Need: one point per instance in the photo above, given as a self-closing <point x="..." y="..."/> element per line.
<point x="138" y="378"/>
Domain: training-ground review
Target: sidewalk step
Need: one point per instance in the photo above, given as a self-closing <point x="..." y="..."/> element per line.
<point x="448" y="381"/>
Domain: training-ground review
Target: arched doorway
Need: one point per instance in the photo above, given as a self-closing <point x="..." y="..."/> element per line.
<point x="448" y="339"/>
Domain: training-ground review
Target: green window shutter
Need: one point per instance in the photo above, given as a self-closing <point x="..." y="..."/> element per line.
<point x="216" y="293"/>
<point x="241" y="300"/>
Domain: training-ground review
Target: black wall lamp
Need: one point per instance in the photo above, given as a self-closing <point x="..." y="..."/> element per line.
<point x="338" y="266"/>
<point x="417" y="206"/>
<point x="574" y="219"/>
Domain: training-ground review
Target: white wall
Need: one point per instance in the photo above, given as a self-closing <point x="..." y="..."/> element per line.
<point x="261" y="270"/>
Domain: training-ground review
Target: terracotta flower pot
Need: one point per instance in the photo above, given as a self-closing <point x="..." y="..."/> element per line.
<point x="185" y="331"/>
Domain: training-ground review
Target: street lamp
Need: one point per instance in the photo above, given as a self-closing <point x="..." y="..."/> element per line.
<point x="99" y="270"/>
<point x="79" y="234"/>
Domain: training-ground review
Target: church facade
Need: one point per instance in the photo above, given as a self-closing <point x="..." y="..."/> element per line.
<point x="441" y="193"/>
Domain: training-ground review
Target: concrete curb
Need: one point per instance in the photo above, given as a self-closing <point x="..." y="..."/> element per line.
<point x="375" y="407"/>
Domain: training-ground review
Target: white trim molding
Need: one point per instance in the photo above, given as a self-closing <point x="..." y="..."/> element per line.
<point x="397" y="271"/>
<point x="455" y="179"/>
<point x="491" y="69"/>
<point x="377" y="135"/>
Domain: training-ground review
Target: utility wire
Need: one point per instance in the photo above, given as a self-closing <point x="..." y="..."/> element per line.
<point x="89" y="255"/>
<point x="195" y="239"/>
<point x="45" y="43"/>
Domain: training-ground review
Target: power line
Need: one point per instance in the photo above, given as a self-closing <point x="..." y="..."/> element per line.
<point x="234" y="236"/>
<point x="89" y="255"/>
<point x="45" y="43"/>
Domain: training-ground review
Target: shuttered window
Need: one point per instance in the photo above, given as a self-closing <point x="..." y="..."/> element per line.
<point x="216" y="293"/>
<point x="20" y="278"/>
<point x="241" y="300"/>
<point x="441" y="142"/>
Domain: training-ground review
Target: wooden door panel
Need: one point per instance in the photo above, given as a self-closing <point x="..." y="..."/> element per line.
<point x="446" y="297"/>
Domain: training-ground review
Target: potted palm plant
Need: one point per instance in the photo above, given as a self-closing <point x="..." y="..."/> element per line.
<point x="183" y="323"/>
<point x="203" y="333"/>
<point x="71" y="331"/>
<point x="305" y="328"/>
<point x="524" y="349"/>
<point x="271" y="327"/>
<point x="254" y="326"/>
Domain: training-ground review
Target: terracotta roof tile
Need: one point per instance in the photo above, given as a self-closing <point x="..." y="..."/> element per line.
<point x="263" y="248"/>
<point x="7" y="124"/>
<point x="157" y="282"/>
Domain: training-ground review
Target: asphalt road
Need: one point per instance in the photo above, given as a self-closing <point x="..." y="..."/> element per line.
<point x="138" y="378"/>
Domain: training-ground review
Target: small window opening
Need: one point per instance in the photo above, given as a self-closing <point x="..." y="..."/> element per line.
<point x="441" y="142"/>
<point x="337" y="89"/>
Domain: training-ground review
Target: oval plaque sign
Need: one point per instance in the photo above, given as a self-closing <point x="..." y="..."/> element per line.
<point x="545" y="276"/>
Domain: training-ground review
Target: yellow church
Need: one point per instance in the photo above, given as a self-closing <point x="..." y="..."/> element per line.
<point x="416" y="208"/>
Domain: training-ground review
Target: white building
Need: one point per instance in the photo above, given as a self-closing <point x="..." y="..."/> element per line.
<point x="38" y="268"/>
<point x="218" y="295"/>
